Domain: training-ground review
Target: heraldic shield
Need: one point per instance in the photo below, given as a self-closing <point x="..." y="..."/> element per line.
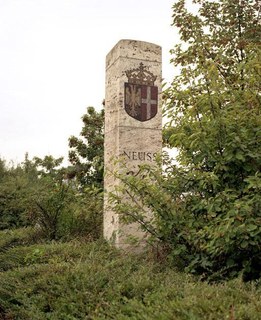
<point x="141" y="101"/>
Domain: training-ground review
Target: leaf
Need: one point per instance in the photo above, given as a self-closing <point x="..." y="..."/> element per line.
<point x="251" y="227"/>
<point x="244" y="244"/>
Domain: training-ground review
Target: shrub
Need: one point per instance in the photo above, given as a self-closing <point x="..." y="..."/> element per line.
<point x="217" y="236"/>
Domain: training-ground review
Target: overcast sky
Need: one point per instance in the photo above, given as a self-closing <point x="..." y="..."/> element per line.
<point x="52" y="64"/>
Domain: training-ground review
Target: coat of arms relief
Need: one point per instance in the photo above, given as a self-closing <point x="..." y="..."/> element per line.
<point x="141" y="96"/>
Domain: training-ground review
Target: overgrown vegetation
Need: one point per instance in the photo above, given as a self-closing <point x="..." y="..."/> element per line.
<point x="207" y="206"/>
<point x="83" y="280"/>
<point x="38" y="193"/>
<point x="206" y="222"/>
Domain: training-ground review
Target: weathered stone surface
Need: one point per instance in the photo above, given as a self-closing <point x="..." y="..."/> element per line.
<point x="133" y="127"/>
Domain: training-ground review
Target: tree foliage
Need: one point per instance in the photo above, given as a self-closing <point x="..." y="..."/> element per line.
<point x="214" y="107"/>
<point x="207" y="206"/>
<point x="86" y="153"/>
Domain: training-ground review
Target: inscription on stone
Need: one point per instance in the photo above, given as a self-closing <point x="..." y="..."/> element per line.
<point x="139" y="155"/>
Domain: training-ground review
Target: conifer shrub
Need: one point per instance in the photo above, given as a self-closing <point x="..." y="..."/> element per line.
<point x="91" y="280"/>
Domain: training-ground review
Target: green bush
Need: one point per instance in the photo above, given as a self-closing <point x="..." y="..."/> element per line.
<point x="36" y="193"/>
<point x="215" y="236"/>
<point x="61" y="211"/>
<point x="16" y="186"/>
<point x="87" y="214"/>
<point x="79" y="280"/>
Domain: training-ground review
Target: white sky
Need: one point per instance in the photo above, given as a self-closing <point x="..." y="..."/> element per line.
<point x="52" y="64"/>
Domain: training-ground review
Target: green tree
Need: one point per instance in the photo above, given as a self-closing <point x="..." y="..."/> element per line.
<point x="214" y="107"/>
<point x="86" y="153"/>
<point x="49" y="166"/>
<point x="207" y="206"/>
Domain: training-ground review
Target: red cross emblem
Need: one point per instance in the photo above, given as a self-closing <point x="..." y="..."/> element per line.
<point x="141" y="101"/>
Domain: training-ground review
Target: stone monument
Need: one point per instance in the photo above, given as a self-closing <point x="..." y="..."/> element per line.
<point x="133" y="121"/>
